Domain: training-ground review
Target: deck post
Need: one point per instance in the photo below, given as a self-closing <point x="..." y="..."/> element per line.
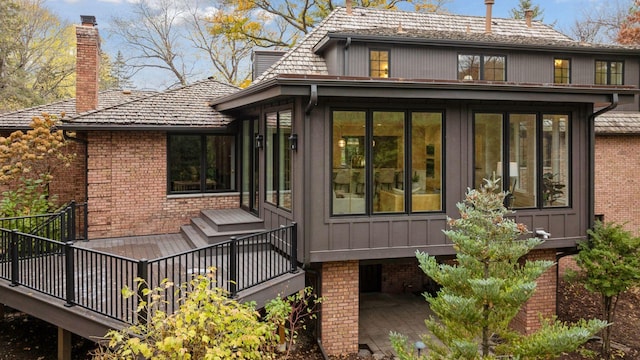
<point x="64" y="344"/>
<point x="64" y="231"/>
<point x="233" y="266"/>
<point x="13" y="249"/>
<point x="143" y="273"/>
<point x="293" y="256"/>
<point x="70" y="278"/>
<point x="72" y="221"/>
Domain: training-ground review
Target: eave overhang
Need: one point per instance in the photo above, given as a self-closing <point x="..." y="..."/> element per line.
<point x="574" y="48"/>
<point x="126" y="127"/>
<point x="365" y="87"/>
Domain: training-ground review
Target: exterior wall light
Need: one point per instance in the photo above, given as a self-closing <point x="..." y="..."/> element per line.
<point x="293" y="142"/>
<point x="259" y="141"/>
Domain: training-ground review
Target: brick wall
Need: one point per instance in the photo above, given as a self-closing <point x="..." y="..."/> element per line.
<point x="543" y="301"/>
<point x="69" y="182"/>
<point x="617" y="182"/>
<point x="339" y="314"/>
<point x="402" y="277"/>
<point x="128" y="188"/>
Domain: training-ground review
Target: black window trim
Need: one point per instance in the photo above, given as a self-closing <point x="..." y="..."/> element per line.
<point x="609" y="62"/>
<point x="482" y="56"/>
<point x="407" y="159"/>
<point x="539" y="152"/>
<point x="203" y="162"/>
<point x="388" y="51"/>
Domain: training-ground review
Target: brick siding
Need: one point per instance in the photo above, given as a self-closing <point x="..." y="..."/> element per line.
<point x="543" y="301"/>
<point x="339" y="314"/>
<point x="402" y="277"/>
<point x="128" y="187"/>
<point x="617" y="182"/>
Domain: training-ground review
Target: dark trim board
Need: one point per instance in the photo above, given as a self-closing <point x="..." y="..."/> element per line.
<point x="75" y="319"/>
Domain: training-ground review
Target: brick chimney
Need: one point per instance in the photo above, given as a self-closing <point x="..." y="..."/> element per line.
<point x="87" y="64"/>
<point x="528" y="15"/>
<point x="349" y="6"/>
<point x="487" y="26"/>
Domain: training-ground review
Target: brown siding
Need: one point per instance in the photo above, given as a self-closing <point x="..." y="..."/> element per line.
<point x="530" y="67"/>
<point x="617" y="181"/>
<point x="128" y="189"/>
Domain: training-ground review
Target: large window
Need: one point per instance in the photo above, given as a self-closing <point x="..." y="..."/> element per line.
<point x="386" y="162"/>
<point x="379" y="63"/>
<point x="537" y="148"/>
<point x="201" y="163"/>
<point x="609" y="72"/>
<point x="481" y="67"/>
<point x="561" y="71"/>
<point x="278" y="159"/>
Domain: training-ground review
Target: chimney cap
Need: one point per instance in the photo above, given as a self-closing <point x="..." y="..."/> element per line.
<point x="88" y="20"/>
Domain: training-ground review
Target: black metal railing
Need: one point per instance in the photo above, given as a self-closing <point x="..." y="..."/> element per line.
<point x="62" y="225"/>
<point x="93" y="279"/>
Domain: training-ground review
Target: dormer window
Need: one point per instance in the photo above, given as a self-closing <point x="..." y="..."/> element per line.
<point x="379" y="63"/>
<point x="561" y="71"/>
<point x="482" y="67"/>
<point x="609" y="72"/>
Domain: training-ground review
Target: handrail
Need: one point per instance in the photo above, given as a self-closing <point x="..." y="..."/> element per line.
<point x="63" y="222"/>
<point x="93" y="279"/>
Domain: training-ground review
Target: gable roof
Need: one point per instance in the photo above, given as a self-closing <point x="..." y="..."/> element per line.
<point x="20" y="119"/>
<point x="301" y="59"/>
<point x="187" y="106"/>
<point x="618" y="123"/>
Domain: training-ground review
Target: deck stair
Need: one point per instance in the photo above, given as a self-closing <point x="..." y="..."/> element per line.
<point x="214" y="226"/>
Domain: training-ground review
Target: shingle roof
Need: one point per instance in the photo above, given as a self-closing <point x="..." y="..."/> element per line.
<point x="618" y="123"/>
<point x="301" y="59"/>
<point x="21" y="119"/>
<point x="184" y="106"/>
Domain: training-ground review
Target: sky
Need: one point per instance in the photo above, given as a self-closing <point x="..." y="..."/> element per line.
<point x="562" y="13"/>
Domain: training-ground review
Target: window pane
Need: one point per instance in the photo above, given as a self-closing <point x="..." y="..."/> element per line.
<point x="426" y="161"/>
<point x="468" y="67"/>
<point x="488" y="147"/>
<point x="601" y="73"/>
<point x="284" y="161"/>
<point x="616" y="73"/>
<point x="247" y="146"/>
<point x="271" y="140"/>
<point x="220" y="162"/>
<point x="184" y="158"/>
<point x="349" y="185"/>
<point x="388" y="160"/>
<point x="555" y="159"/>
<point x="494" y="69"/>
<point x="522" y="175"/>
<point x="561" y="71"/>
<point x="379" y="63"/>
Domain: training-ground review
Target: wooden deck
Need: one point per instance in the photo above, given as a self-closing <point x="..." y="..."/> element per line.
<point x="99" y="279"/>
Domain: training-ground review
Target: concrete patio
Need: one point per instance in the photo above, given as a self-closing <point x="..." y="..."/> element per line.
<point x="381" y="313"/>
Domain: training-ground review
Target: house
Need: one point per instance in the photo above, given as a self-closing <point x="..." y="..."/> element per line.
<point x="366" y="134"/>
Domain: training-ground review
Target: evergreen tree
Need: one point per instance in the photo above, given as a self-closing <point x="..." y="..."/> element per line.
<point x="610" y="264"/>
<point x="486" y="287"/>
<point x="518" y="11"/>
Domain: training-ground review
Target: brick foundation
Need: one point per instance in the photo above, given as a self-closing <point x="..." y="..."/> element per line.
<point x="543" y="301"/>
<point x="339" y="315"/>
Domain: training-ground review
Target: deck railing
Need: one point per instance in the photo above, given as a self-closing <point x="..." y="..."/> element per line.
<point x="62" y="225"/>
<point x="93" y="279"/>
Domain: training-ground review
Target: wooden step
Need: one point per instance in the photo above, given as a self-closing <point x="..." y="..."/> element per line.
<point x="213" y="236"/>
<point x="193" y="236"/>
<point x="228" y="220"/>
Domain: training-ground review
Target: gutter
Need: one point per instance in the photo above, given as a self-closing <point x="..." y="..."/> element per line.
<point x="313" y="102"/>
<point x="345" y="66"/>
<point x="592" y="155"/>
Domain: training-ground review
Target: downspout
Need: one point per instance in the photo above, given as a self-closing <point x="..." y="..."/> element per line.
<point x="345" y="66"/>
<point x="313" y="102"/>
<point x="592" y="155"/>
